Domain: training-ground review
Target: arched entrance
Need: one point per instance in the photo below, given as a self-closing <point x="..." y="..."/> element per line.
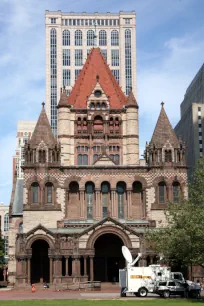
<point x="40" y="262"/>
<point x="108" y="258"/>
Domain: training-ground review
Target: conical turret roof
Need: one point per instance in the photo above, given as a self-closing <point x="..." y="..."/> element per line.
<point x="63" y="102"/>
<point x="42" y="131"/>
<point x="163" y="131"/>
<point x="131" y="101"/>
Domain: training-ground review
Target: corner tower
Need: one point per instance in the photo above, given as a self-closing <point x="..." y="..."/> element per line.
<point x="97" y="118"/>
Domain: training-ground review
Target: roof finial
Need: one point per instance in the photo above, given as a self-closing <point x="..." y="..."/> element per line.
<point x="43" y="104"/>
<point x="162" y="104"/>
<point x="97" y="78"/>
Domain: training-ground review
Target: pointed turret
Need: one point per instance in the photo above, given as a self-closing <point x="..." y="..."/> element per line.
<point x="63" y="102"/>
<point x="164" y="146"/>
<point x="43" y="146"/>
<point x="163" y="130"/>
<point x="131" y="101"/>
<point x="43" y="131"/>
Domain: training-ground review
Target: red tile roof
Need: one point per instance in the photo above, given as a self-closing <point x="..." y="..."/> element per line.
<point x="96" y="68"/>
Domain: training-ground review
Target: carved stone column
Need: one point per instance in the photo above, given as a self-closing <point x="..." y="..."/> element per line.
<point x="129" y="204"/>
<point x="28" y="270"/>
<point x="67" y="265"/>
<point x="98" y="209"/>
<point x="144" y="213"/>
<point x="91" y="268"/>
<point x="113" y="203"/>
<point x="76" y="265"/>
<point x="51" y="270"/>
<point x="58" y="266"/>
<point x="82" y="216"/>
<point x="85" y="265"/>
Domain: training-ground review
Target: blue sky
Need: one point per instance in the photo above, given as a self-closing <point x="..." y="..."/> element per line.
<point x="170" y="50"/>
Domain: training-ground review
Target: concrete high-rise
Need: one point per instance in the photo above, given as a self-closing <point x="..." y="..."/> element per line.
<point x="191" y="125"/>
<point x="69" y="39"/>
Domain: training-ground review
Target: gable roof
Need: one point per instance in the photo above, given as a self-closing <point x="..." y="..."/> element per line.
<point x="42" y="131"/>
<point x="163" y="131"/>
<point x="96" y="69"/>
<point x="104" y="160"/>
<point x="108" y="219"/>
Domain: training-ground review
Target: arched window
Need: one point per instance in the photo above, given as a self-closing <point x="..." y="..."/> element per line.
<point x="89" y="188"/>
<point x="49" y="192"/>
<point x="6" y="222"/>
<point x="168" y="156"/>
<point x="66" y="38"/>
<point x="137" y="199"/>
<point x="128" y="61"/>
<point x="116" y="123"/>
<point x="102" y="38"/>
<point x="21" y="228"/>
<point x="103" y="106"/>
<point x="90" y="38"/>
<point x="121" y="190"/>
<point x="98" y="106"/>
<point x="117" y="159"/>
<point x="42" y="156"/>
<point x="95" y="157"/>
<point x="82" y="159"/>
<point x="162" y="192"/>
<point x="176" y="191"/>
<point x="78" y="38"/>
<point x="92" y="106"/>
<point x="105" y="191"/>
<point x="73" y="209"/>
<point x="98" y="123"/>
<point x="34" y="192"/>
<point x="114" y="38"/>
<point x="84" y="124"/>
<point x="111" y="124"/>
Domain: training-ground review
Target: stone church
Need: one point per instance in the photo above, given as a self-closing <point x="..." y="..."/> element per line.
<point x="87" y="193"/>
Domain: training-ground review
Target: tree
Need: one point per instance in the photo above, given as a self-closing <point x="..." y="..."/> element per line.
<point x="181" y="241"/>
<point x="1" y="252"/>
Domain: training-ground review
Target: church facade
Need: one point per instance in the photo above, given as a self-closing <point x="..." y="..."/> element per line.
<point x="87" y="193"/>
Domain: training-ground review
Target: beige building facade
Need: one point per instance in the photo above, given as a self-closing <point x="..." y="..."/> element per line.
<point x="24" y="131"/>
<point x="4" y="222"/>
<point x="87" y="193"/>
<point x="69" y="39"/>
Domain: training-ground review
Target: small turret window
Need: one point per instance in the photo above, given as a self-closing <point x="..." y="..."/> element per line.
<point x="35" y="192"/>
<point x="168" y="156"/>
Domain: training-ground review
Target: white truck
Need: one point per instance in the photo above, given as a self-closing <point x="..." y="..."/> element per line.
<point x="141" y="280"/>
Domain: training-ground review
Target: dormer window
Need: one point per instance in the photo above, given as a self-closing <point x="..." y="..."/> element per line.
<point x="92" y="106"/>
<point x="97" y="93"/>
<point x="103" y="106"/>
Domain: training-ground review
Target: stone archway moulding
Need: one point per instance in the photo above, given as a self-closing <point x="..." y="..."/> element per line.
<point x="39" y="237"/>
<point x="108" y="230"/>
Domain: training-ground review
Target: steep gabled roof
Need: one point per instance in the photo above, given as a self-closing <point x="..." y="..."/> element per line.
<point x="131" y="101"/>
<point x="163" y="131"/>
<point x="42" y="131"/>
<point x="96" y="68"/>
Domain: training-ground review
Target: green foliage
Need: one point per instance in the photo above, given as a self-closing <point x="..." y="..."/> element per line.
<point x="1" y="252"/>
<point x="181" y="241"/>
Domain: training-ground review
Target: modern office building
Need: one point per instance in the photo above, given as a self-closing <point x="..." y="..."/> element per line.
<point x="69" y="39"/>
<point x="4" y="222"/>
<point x="24" y="132"/>
<point x="191" y="125"/>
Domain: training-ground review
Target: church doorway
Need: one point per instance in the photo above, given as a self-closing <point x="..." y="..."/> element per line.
<point x="40" y="262"/>
<point x="108" y="258"/>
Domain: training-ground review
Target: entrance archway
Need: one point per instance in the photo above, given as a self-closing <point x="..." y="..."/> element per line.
<point x="108" y="258"/>
<point x="40" y="262"/>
